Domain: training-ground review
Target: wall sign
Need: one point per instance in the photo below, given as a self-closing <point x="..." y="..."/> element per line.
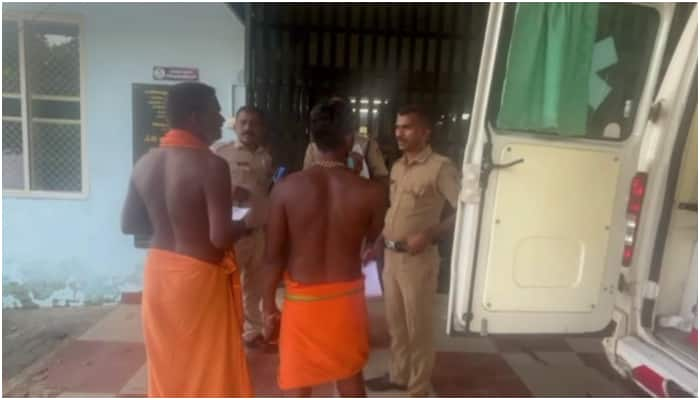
<point x="175" y="74"/>
<point x="149" y="118"/>
<point x="149" y="124"/>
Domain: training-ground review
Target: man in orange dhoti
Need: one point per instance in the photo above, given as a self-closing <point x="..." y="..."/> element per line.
<point x="318" y="220"/>
<point x="180" y="194"/>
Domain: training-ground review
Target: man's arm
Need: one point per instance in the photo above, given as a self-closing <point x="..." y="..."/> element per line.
<point x="446" y="225"/>
<point x="135" y="220"/>
<point x="448" y="186"/>
<point x="217" y="192"/>
<point x="379" y="207"/>
<point x="240" y="195"/>
<point x="275" y="260"/>
<point x="374" y="235"/>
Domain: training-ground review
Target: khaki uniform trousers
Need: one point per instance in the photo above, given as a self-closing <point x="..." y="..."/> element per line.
<point x="249" y="255"/>
<point x="410" y="282"/>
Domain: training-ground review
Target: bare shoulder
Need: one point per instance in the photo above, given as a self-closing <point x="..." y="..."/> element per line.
<point x="290" y="183"/>
<point x="367" y="189"/>
<point x="216" y="167"/>
<point x="215" y="160"/>
<point x="294" y="179"/>
<point x="146" y="161"/>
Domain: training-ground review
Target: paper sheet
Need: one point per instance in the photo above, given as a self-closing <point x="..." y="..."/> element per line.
<point x="604" y="55"/>
<point x="372" y="285"/>
<point x="598" y="90"/>
<point x="238" y="213"/>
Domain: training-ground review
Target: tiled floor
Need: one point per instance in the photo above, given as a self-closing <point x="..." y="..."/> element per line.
<point x="109" y="360"/>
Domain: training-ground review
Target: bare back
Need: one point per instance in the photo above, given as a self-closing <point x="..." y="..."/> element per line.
<point x="174" y="185"/>
<point x="326" y="214"/>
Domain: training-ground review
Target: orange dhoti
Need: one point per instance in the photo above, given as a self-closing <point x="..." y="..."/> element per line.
<point x="192" y="327"/>
<point x="323" y="333"/>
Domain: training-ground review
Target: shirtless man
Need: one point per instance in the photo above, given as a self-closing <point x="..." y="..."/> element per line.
<point x="318" y="221"/>
<point x="183" y="196"/>
<point x="180" y="193"/>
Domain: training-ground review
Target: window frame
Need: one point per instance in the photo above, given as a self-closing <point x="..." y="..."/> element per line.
<point x="647" y="89"/>
<point x="26" y="192"/>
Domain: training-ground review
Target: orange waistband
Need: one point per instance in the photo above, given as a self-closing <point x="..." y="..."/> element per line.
<point x="296" y="291"/>
<point x="165" y="257"/>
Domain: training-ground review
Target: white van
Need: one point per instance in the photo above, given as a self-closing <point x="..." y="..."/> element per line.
<point x="566" y="223"/>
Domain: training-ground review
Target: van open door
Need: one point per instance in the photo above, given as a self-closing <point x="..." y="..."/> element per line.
<point x="563" y="96"/>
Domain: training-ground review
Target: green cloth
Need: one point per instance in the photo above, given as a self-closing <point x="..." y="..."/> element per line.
<point x="548" y="68"/>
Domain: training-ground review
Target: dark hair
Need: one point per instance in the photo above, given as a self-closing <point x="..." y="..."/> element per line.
<point x="253" y="110"/>
<point x="187" y="98"/>
<point x="422" y="113"/>
<point x="331" y="121"/>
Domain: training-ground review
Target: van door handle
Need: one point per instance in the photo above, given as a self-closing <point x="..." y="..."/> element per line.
<point x="487" y="165"/>
<point x="508" y="164"/>
<point x="688" y="206"/>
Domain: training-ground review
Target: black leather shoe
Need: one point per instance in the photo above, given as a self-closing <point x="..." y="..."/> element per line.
<point x="382" y="384"/>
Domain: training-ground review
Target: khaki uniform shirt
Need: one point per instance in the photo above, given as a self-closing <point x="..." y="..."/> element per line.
<point x="252" y="171"/>
<point x="418" y="192"/>
<point x="372" y="154"/>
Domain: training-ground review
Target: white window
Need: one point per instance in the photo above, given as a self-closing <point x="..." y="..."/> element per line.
<point x="43" y="143"/>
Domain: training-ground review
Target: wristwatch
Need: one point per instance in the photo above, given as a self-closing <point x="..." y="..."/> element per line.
<point x="398" y="246"/>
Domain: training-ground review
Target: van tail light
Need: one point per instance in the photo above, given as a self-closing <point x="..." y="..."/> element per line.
<point x="651" y="380"/>
<point x="634" y="208"/>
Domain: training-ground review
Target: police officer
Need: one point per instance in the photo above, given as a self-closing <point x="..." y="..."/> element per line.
<point x="421" y="182"/>
<point x="251" y="176"/>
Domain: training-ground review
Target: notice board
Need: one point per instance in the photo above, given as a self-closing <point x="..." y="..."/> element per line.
<point x="149" y="117"/>
<point x="150" y="123"/>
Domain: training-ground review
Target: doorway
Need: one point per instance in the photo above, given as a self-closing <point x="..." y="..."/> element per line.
<point x="379" y="56"/>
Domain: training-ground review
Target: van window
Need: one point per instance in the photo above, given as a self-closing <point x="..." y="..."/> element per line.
<point x="573" y="70"/>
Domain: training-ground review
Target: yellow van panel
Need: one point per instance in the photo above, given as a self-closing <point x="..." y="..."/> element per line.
<point x="550" y="229"/>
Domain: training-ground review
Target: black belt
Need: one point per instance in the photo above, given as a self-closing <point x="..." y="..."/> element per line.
<point x="398" y="246"/>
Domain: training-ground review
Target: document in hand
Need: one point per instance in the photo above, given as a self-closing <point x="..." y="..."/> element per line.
<point x="372" y="285"/>
<point x="238" y="213"/>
